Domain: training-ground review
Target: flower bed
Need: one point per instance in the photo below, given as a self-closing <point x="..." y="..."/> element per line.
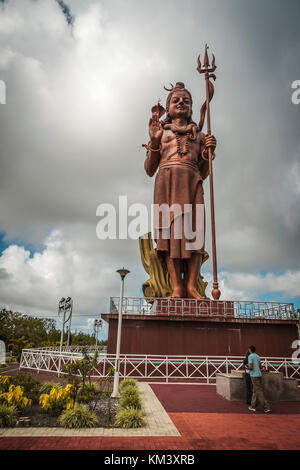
<point x="73" y="402"/>
<point x="39" y="418"/>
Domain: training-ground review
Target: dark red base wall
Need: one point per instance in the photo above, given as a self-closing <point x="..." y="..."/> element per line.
<point x="201" y="338"/>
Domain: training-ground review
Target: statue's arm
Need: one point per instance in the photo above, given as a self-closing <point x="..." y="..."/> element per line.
<point x="203" y="164"/>
<point x="154" y="146"/>
<point x="206" y="141"/>
<point x="152" y="160"/>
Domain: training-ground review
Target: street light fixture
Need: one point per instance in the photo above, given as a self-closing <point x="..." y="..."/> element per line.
<point x="97" y="326"/>
<point x="65" y="308"/>
<point x="115" y="394"/>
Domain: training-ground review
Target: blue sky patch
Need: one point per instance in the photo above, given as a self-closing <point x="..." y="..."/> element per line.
<point x="5" y="243"/>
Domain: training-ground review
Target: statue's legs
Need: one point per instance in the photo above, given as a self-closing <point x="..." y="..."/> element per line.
<point x="194" y="265"/>
<point x="175" y="270"/>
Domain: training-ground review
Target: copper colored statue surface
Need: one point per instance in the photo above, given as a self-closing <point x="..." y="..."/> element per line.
<point x="178" y="150"/>
<point x="159" y="283"/>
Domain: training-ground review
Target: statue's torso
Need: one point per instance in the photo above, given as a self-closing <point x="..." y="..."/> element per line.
<point x="170" y="145"/>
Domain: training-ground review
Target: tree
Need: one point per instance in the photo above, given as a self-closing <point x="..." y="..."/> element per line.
<point x="38" y="332"/>
<point x="18" y="344"/>
<point x="82" y="339"/>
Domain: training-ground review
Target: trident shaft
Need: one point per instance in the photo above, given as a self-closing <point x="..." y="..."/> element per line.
<point x="208" y="70"/>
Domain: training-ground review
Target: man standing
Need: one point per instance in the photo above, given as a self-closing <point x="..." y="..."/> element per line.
<point x="254" y="365"/>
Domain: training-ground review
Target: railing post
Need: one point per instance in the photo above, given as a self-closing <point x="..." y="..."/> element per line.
<point x="167" y="369"/>
<point x="146" y="367"/>
<point x="285" y="365"/>
<point x="207" y="371"/>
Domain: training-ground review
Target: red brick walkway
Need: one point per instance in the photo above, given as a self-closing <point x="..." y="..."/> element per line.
<point x="201" y="430"/>
<point x="204" y="399"/>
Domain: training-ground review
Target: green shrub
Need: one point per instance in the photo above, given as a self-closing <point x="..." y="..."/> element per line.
<point x="78" y="417"/>
<point x="130" y="391"/>
<point x="106" y="393"/>
<point x="127" y="382"/>
<point x="29" y="384"/>
<point x="86" y="393"/>
<point x="8" y="416"/>
<point x="129" y="418"/>
<point x="110" y="372"/>
<point x="131" y="401"/>
<point x="46" y="387"/>
<point x="130" y="414"/>
<point x="80" y="370"/>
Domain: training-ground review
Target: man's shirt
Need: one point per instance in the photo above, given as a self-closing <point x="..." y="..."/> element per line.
<point x="254" y="359"/>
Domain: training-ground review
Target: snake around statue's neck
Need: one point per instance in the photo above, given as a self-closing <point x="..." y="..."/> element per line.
<point x="190" y="129"/>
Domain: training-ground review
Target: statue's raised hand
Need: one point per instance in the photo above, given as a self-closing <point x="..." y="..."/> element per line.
<point x="155" y="130"/>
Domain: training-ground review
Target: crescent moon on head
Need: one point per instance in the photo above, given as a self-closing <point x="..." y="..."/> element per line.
<point x="169" y="89"/>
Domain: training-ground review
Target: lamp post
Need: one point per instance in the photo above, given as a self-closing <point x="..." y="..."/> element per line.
<point x="61" y="311"/>
<point x="97" y="325"/>
<point x="65" y="307"/>
<point x="69" y="328"/>
<point x="115" y="394"/>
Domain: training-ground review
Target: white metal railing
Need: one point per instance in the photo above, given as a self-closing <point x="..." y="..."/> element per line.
<point x="155" y="367"/>
<point x="205" y="308"/>
<point x="72" y="348"/>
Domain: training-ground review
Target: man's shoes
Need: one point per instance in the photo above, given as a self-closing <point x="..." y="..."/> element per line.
<point x="251" y="409"/>
<point x="267" y="410"/>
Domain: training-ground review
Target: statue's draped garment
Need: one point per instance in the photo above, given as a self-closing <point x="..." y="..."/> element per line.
<point x="179" y="182"/>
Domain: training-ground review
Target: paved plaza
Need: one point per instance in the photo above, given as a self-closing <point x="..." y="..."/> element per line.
<point x="178" y="417"/>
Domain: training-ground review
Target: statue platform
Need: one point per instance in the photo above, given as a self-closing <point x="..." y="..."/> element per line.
<point x="202" y="327"/>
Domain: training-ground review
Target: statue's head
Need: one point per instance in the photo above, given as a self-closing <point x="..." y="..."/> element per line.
<point x="179" y="103"/>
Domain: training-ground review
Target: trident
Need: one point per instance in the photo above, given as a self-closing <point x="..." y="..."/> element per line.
<point x="208" y="70"/>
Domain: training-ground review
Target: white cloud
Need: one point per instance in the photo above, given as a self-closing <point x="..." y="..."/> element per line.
<point x="248" y="286"/>
<point x="78" y="103"/>
<point x="35" y="284"/>
<point x="59" y="270"/>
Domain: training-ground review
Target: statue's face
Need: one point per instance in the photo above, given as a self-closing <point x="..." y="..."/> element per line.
<point x="180" y="105"/>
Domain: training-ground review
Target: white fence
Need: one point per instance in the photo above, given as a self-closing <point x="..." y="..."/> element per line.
<point x="202" y="369"/>
<point x="72" y="349"/>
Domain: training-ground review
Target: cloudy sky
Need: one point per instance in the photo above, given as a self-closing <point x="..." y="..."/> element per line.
<point x="81" y="78"/>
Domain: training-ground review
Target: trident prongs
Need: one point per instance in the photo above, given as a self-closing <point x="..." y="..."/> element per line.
<point x="206" y="68"/>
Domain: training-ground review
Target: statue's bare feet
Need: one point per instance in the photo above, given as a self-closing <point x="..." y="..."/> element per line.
<point x="177" y="293"/>
<point x="192" y="293"/>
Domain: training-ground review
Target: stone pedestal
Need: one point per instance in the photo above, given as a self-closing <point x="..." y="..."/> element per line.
<point x="231" y="387"/>
<point x="188" y="335"/>
<point x="276" y="388"/>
